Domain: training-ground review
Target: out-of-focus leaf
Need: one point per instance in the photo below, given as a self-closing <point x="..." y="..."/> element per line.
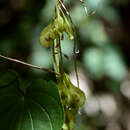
<point x="111" y="15"/>
<point x="113" y="63"/>
<point x="93" y="59"/>
<point x="7" y="47"/>
<point x="47" y="11"/>
<point x="7" y="78"/>
<point x="106" y="61"/>
<point x="78" y="11"/>
<point x="94" y="31"/>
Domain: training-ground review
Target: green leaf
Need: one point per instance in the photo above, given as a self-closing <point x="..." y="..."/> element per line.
<point x="39" y="108"/>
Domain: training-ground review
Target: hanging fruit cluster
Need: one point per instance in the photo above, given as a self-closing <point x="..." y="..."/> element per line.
<point x="71" y="96"/>
<point x="55" y="29"/>
<point x="72" y="99"/>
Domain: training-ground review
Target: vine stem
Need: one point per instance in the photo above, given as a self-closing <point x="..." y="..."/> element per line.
<point x="29" y="65"/>
<point x="75" y="46"/>
<point x="57" y="53"/>
<point x="60" y="53"/>
<point x="55" y="57"/>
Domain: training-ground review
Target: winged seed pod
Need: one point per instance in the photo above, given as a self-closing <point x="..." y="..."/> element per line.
<point x="72" y="99"/>
<point x="47" y="36"/>
<point x="59" y="23"/>
<point x="67" y="28"/>
<point x="55" y="29"/>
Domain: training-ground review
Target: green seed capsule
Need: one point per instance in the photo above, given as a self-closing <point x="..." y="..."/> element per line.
<point x="59" y="22"/>
<point x="47" y="36"/>
<point x="72" y="98"/>
<point x="67" y="28"/>
<point x="52" y="31"/>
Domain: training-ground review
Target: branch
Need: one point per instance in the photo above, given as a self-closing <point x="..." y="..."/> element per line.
<point x="27" y="64"/>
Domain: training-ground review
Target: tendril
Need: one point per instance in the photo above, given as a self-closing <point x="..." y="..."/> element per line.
<point x="86" y="9"/>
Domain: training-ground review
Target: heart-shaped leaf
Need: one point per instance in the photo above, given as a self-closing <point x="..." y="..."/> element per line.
<point x="39" y="108"/>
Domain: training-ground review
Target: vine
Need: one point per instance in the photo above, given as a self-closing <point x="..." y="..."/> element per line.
<point x="72" y="98"/>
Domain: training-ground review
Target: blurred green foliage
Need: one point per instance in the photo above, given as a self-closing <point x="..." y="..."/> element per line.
<point x="104" y="53"/>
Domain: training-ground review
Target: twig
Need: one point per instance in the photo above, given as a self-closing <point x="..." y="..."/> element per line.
<point x="27" y="64"/>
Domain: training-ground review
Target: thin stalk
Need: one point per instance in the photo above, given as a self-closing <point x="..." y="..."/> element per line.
<point x="55" y="55"/>
<point x="29" y="65"/>
<point x="60" y="54"/>
<point x="75" y="47"/>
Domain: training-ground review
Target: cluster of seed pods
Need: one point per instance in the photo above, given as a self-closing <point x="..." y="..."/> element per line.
<point x="72" y="99"/>
<point x="55" y="29"/>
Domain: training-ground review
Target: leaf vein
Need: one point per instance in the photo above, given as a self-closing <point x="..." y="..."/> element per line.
<point x="31" y="119"/>
<point x="42" y="108"/>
